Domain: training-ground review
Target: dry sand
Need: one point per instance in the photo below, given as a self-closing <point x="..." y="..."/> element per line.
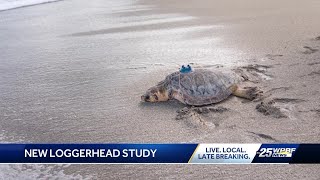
<point x="275" y="42"/>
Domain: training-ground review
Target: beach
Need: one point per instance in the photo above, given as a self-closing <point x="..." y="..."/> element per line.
<point x="74" y="71"/>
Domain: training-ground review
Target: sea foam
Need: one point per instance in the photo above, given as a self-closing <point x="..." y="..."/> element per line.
<point x="12" y="4"/>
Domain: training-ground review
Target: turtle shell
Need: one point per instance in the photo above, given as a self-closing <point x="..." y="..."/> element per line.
<point x="201" y="86"/>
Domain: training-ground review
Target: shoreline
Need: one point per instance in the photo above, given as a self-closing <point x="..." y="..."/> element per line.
<point x="29" y="5"/>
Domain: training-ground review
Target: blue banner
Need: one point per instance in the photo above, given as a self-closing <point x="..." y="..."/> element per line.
<point x="160" y="153"/>
<point x="96" y="153"/>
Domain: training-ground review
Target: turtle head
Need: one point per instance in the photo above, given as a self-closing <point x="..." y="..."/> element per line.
<point x="156" y="94"/>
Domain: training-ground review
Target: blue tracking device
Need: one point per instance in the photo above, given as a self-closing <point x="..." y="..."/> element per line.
<point x="185" y="69"/>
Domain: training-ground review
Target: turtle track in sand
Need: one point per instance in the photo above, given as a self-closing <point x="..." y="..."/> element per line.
<point x="263" y="136"/>
<point x="201" y="116"/>
<point x="268" y="109"/>
<point x="275" y="107"/>
<point x="254" y="72"/>
<point x="309" y="50"/>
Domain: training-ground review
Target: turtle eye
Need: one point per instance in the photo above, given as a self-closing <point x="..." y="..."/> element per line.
<point x="155" y="97"/>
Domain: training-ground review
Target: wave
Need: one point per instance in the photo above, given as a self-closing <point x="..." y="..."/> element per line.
<point x="13" y="4"/>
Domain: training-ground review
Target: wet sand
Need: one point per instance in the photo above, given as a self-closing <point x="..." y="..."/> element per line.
<point x="74" y="72"/>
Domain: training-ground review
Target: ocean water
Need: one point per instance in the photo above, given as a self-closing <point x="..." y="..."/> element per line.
<point x="12" y="4"/>
<point x="74" y="71"/>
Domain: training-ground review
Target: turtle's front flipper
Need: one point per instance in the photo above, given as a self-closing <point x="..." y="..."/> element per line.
<point x="247" y="92"/>
<point x="176" y="95"/>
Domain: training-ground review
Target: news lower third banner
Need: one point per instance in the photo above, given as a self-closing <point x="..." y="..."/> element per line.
<point x="159" y="153"/>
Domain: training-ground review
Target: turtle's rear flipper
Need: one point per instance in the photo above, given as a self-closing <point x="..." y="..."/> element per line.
<point x="247" y="92"/>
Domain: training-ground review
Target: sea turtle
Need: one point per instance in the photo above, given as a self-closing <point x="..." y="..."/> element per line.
<point x="199" y="87"/>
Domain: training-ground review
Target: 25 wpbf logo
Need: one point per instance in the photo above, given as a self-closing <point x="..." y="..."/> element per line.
<point x="276" y="152"/>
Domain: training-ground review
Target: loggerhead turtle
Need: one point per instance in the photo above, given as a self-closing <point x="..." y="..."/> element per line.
<point x="199" y="87"/>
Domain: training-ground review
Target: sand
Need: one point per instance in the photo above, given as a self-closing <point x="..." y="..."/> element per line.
<point x="74" y="72"/>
